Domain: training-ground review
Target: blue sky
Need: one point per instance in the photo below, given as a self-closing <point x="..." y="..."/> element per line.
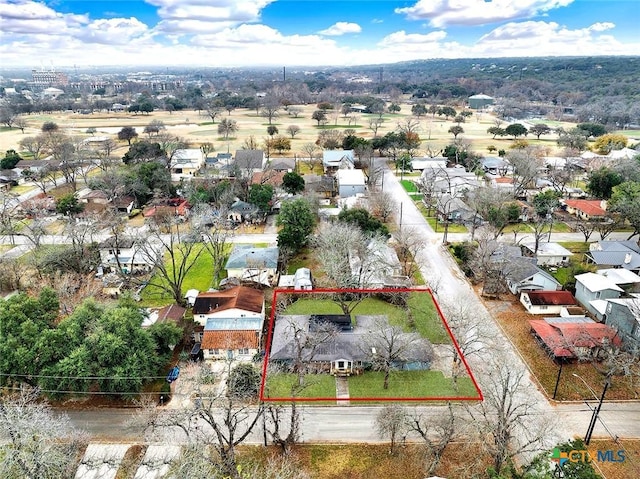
<point x="307" y="32"/>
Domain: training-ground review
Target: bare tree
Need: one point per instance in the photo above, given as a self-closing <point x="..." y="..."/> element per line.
<point x="9" y="207"/>
<point x="409" y="243"/>
<point x="37" y="442"/>
<point x="270" y="109"/>
<point x="382" y="206"/>
<point x="34" y="145"/>
<point x="375" y="124"/>
<point x="391" y="423"/>
<point x="310" y="150"/>
<point x="216" y="240"/>
<point x="389" y="346"/>
<point x="436" y="432"/>
<point x="172" y="253"/>
<point x="215" y="420"/>
<point x="526" y="164"/>
<point x="508" y="420"/>
<point x="584" y="226"/>
<point x="471" y="339"/>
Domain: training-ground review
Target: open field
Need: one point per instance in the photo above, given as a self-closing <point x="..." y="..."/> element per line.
<point x="197" y="128"/>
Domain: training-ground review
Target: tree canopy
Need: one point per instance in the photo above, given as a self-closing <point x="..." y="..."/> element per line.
<point x="293" y="183"/>
<point x="297" y="220"/>
<point x="97" y="347"/>
<point x="364" y="220"/>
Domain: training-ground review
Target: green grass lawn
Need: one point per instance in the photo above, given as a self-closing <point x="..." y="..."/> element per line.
<point x="316" y="385"/>
<point x="575" y="246"/>
<point x="420" y="309"/>
<point x="419" y="384"/>
<point x="438" y="227"/>
<point x="199" y="277"/>
<point x="409" y="186"/>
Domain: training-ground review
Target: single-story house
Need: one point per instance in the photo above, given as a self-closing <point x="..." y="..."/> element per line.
<point x="325" y="186"/>
<point x="547" y="302"/>
<point x="586" y="209"/>
<point x="454" y="210"/>
<point x="345" y="353"/>
<point x="338" y="159"/>
<point x="455" y="181"/>
<point x="423" y="163"/>
<point x="623" y="315"/>
<point x="301" y="280"/>
<point x="549" y="254"/>
<point x="269" y="177"/>
<point x="172" y="313"/>
<point x="627" y="280"/>
<point x="350" y="182"/>
<point x="125" y="255"/>
<point x="381" y="268"/>
<point x="241" y="211"/>
<point x="124" y="204"/>
<point x="522" y="275"/>
<point x="95" y="196"/>
<point x="593" y="289"/>
<point x="248" y="162"/>
<point x="573" y="338"/>
<point x="494" y="165"/>
<point x="178" y="207"/>
<point x="282" y="164"/>
<point x="615" y="254"/>
<point x="249" y="263"/>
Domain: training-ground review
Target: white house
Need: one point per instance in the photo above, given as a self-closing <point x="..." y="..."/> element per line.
<point x="125" y="255"/>
<point x="350" y="182"/>
<point x="550" y="254"/>
<point x="338" y="159"/>
<point x="547" y="302"/>
<point x="186" y="163"/>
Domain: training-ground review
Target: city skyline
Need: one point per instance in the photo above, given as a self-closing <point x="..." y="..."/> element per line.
<point x="235" y="33"/>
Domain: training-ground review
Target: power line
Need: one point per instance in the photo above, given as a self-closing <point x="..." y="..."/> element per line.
<point x="92" y="378"/>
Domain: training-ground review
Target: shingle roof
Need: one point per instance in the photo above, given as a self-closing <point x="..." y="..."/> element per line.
<point x="249" y="159"/>
<point x="244" y="256"/>
<point x="240" y="297"/>
<point x="540" y="298"/>
<point x="230" y="340"/>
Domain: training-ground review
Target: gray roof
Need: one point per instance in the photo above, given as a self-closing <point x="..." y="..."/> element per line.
<point x="247" y="256"/>
<point x="120" y="242"/>
<point x="345" y="345"/>
<point x="626" y="259"/>
<point x="518" y="271"/>
<point x="249" y="159"/>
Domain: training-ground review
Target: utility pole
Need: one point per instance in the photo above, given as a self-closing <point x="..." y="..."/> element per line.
<point x="596" y="411"/>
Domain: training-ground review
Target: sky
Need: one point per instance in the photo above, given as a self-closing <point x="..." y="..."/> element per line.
<point x="245" y="33"/>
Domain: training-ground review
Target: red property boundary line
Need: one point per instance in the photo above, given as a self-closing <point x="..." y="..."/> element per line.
<point x="272" y="318"/>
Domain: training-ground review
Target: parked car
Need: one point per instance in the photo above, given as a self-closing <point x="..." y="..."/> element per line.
<point x="173" y="374"/>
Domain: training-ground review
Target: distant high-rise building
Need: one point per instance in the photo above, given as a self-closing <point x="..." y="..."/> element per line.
<point x="46" y="78"/>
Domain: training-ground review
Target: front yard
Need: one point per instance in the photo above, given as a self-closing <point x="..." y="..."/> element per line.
<point x="402" y="384"/>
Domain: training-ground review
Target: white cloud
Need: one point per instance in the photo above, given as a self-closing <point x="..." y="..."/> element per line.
<point x="340" y="28"/>
<point x="403" y="38"/>
<point x="441" y="13"/>
<point x="550" y="39"/>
